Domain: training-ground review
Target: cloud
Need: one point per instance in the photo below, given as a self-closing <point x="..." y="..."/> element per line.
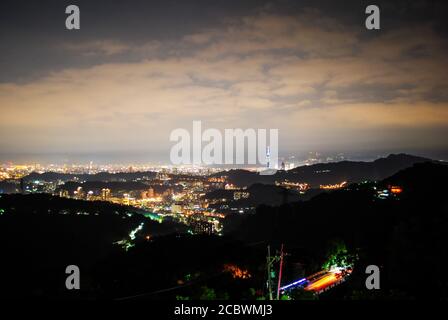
<point x="99" y="47"/>
<point x="309" y="75"/>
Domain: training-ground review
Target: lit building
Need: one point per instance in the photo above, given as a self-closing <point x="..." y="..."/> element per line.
<point x="128" y="200"/>
<point x="90" y="195"/>
<point x="237" y="195"/>
<point x="230" y="186"/>
<point x="333" y="186"/>
<point x="79" y="193"/>
<point x="105" y="194"/>
<point x="202" y="227"/>
<point x="293" y="185"/>
<point x="63" y="193"/>
<point x="176" y="208"/>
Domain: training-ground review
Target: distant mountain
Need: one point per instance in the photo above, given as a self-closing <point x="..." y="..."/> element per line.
<point x="331" y="173"/>
<point x="351" y="171"/>
<point x="422" y="179"/>
<point x="315" y="175"/>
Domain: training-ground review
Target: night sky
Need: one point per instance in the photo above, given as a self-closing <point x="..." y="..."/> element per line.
<point x="115" y="89"/>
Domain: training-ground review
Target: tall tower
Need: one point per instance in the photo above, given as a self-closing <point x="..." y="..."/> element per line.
<point x="268" y="157"/>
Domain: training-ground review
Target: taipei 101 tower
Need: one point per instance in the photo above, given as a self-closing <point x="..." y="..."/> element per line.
<point x="268" y="157"/>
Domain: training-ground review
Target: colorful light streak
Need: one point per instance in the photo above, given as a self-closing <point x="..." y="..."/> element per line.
<point x="323" y="282"/>
<point x="295" y="283"/>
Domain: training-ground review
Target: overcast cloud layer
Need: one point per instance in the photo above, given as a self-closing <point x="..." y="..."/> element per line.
<point x="310" y="69"/>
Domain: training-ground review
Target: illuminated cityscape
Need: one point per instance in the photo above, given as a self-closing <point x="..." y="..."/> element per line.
<point x="232" y="152"/>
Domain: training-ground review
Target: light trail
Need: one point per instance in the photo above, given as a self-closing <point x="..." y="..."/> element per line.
<point x="318" y="281"/>
<point x="293" y="284"/>
<point x="323" y="282"/>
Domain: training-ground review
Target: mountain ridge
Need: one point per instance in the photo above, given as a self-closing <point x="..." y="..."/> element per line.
<point x="333" y="172"/>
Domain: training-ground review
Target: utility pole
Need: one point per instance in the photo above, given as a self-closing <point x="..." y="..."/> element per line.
<point x="280" y="273"/>
<point x="269" y="262"/>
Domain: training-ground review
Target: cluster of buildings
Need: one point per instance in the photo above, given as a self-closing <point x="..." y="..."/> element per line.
<point x="180" y="197"/>
<point x="15" y="172"/>
<point x="391" y="192"/>
<point x="333" y="186"/>
<point x="301" y="187"/>
<point x="176" y="192"/>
